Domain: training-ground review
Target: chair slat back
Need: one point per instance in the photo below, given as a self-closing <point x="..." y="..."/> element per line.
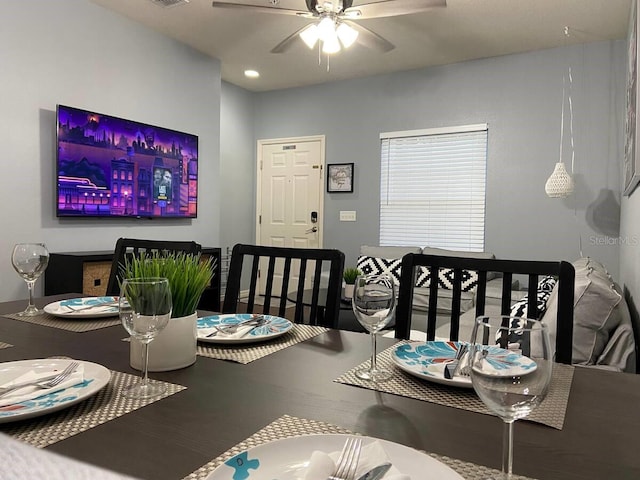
<point x="534" y="270"/>
<point x="296" y="263"/>
<point x="132" y="247"/>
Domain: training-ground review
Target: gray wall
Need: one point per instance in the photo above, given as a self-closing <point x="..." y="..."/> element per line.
<point x="519" y="96"/>
<point x="75" y="53"/>
<point x="237" y="167"/>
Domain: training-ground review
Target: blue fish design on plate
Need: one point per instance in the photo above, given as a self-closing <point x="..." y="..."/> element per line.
<point x="84" y="307"/>
<point x="271" y="328"/>
<point x="96" y="377"/>
<point x="427" y="360"/>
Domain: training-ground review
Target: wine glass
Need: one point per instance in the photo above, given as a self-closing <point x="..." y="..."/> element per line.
<point x="30" y="260"/>
<point x="511" y="368"/>
<point x="145" y="309"/>
<point x="374" y="304"/>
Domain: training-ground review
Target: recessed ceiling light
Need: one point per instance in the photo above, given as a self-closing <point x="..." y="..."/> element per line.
<point x="251" y="73"/>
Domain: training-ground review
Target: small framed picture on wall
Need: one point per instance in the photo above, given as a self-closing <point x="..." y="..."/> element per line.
<point x="340" y="178"/>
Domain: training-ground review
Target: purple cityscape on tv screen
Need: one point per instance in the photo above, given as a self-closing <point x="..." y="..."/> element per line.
<point x="111" y="167"/>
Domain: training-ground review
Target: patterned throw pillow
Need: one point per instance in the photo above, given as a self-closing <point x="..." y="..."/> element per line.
<point x="445" y="279"/>
<point x="545" y="287"/>
<point x="380" y="266"/>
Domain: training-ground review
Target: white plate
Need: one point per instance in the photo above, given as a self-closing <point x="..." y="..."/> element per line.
<point x="86" y="307"/>
<point x="287" y="459"/>
<point x="274" y="327"/>
<point x="427" y="360"/>
<point x="96" y="377"/>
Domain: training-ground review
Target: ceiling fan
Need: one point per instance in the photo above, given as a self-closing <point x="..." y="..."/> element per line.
<point x="335" y="25"/>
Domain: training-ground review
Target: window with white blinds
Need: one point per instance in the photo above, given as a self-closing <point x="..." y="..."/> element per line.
<point x="432" y="187"/>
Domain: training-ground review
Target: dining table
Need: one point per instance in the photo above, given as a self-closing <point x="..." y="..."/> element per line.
<point x="218" y="404"/>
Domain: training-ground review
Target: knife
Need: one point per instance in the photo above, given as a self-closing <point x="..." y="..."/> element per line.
<point x="376" y="473"/>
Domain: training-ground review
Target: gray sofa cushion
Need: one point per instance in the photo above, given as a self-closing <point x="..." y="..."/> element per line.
<point x="445" y="300"/>
<point x="456" y="253"/>
<point x="599" y="310"/>
<point x="460" y="253"/>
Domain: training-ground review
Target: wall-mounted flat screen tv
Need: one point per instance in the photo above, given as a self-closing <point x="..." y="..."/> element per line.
<point x="112" y="167"/>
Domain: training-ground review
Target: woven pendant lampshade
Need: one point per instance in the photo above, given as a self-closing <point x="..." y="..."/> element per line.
<point x="560" y="183"/>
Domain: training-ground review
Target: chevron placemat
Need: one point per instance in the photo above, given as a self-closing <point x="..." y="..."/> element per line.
<point x="550" y="412"/>
<point x="105" y="405"/>
<point x="247" y="353"/>
<point x="77" y="325"/>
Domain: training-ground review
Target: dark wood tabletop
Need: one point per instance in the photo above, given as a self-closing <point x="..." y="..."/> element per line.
<point x="226" y="402"/>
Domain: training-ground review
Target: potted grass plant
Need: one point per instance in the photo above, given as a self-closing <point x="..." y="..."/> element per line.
<point x="189" y="276"/>
<point x="349" y="276"/>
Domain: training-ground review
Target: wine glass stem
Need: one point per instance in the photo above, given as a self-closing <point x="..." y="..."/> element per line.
<point x="507" y="450"/>
<point x="145" y="363"/>
<point x="373" y="352"/>
<point x="30" y="284"/>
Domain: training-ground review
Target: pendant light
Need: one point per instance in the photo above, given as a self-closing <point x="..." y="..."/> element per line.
<point x="560" y="184"/>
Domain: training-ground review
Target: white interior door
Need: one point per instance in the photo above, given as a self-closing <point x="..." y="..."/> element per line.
<point x="290" y="193"/>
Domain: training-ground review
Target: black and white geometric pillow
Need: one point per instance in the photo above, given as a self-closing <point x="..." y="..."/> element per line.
<point x="445" y="279"/>
<point x="547" y="283"/>
<point x="545" y="287"/>
<point x="380" y="266"/>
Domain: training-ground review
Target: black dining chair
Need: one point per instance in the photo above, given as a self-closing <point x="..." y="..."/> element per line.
<point x="452" y="272"/>
<point x="131" y="247"/>
<point x="289" y="276"/>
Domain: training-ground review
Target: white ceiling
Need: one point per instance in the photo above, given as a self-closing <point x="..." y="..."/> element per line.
<point x="464" y="30"/>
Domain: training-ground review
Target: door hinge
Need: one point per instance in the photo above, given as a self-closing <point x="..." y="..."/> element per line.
<point x="259" y="219"/>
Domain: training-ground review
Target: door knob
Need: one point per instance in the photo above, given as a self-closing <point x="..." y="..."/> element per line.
<point x="312" y="230"/>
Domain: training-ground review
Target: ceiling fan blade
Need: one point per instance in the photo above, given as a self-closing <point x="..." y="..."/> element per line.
<point x="391" y="8"/>
<point x="288" y="42"/>
<point x="260" y="8"/>
<point x="371" y="39"/>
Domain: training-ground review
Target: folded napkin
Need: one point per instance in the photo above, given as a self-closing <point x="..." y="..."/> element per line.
<point x="84" y="310"/>
<point x="241" y="332"/>
<point x="29" y="393"/>
<point x="322" y="464"/>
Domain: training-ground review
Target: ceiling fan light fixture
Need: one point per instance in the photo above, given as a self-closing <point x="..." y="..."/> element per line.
<point x="346" y="34"/>
<point x="326" y="28"/>
<point x="330" y="44"/>
<point x="310" y="35"/>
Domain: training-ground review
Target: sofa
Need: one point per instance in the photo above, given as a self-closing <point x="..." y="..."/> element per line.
<point x="602" y="336"/>
<point x="374" y="259"/>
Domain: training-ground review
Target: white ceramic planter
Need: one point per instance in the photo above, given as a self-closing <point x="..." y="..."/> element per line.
<point x="173" y="348"/>
<point x="348" y="290"/>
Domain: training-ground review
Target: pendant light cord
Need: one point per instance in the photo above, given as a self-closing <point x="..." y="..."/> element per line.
<point x="573" y="153"/>
<point x="564" y="79"/>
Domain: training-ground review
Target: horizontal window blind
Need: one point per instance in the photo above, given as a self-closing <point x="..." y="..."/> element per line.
<point x="432" y="188"/>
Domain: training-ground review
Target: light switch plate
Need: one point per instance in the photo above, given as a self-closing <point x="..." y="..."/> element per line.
<point x="347" y="215"/>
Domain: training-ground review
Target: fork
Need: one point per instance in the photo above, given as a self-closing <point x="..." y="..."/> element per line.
<point x="66" y="373"/>
<point x="466" y="370"/>
<point x="348" y="461"/>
